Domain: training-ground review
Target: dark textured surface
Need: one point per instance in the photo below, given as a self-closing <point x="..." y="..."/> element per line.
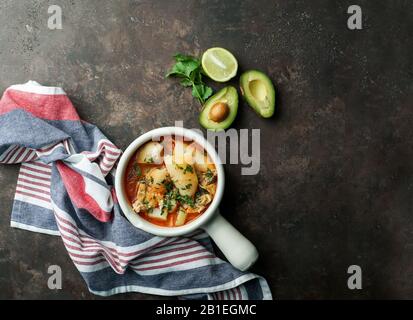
<point x="335" y="186"/>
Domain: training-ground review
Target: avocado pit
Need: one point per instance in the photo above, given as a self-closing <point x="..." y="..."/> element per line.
<point x="219" y="112"/>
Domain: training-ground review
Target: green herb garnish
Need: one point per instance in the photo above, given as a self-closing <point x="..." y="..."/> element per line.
<point x="135" y="172"/>
<point x="209" y="174"/>
<point x="187" y="187"/>
<point x="173" y="195"/>
<point x="189" y="69"/>
<point x="169" y="186"/>
<point x="170" y="199"/>
<point x="186" y="200"/>
<point x="188" y="168"/>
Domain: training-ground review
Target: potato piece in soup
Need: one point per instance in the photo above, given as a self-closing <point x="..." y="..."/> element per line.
<point x="199" y="158"/>
<point x="158" y="177"/>
<point x="150" y="153"/>
<point x="183" y="176"/>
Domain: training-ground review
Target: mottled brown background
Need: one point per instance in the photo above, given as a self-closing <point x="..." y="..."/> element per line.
<point x="335" y="186"/>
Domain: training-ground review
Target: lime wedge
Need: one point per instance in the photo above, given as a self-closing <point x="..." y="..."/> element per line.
<point x="219" y="64"/>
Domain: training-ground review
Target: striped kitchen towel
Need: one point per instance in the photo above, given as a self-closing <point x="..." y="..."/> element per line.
<point x="64" y="188"/>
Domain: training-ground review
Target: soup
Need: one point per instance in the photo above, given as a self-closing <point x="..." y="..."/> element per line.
<point x="171" y="182"/>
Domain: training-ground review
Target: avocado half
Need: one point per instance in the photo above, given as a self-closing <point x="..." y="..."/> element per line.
<point x="259" y="92"/>
<point x="228" y="96"/>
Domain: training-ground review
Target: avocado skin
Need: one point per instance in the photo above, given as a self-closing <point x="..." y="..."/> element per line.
<point x="227" y="95"/>
<point x="252" y="75"/>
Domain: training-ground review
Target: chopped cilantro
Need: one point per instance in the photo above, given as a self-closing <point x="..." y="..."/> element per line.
<point x="137" y="169"/>
<point x="188" y="168"/>
<point x="186" y="200"/>
<point x="173" y="195"/>
<point x="187" y="187"/>
<point x="209" y="174"/>
<point x="149" y="160"/>
<point x="189" y="70"/>
<point x="169" y="186"/>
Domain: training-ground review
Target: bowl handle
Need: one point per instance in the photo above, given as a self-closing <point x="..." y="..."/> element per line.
<point x="239" y="251"/>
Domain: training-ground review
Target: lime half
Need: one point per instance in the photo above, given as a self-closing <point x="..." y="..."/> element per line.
<point x="219" y="64"/>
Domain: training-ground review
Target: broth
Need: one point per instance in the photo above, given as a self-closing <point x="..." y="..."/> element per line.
<point x="170" y="183"/>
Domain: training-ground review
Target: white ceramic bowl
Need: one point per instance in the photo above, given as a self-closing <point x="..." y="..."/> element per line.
<point x="239" y="250"/>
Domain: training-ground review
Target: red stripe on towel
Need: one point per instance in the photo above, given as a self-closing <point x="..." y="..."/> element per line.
<point x="50" y="107"/>
<point x="75" y="186"/>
